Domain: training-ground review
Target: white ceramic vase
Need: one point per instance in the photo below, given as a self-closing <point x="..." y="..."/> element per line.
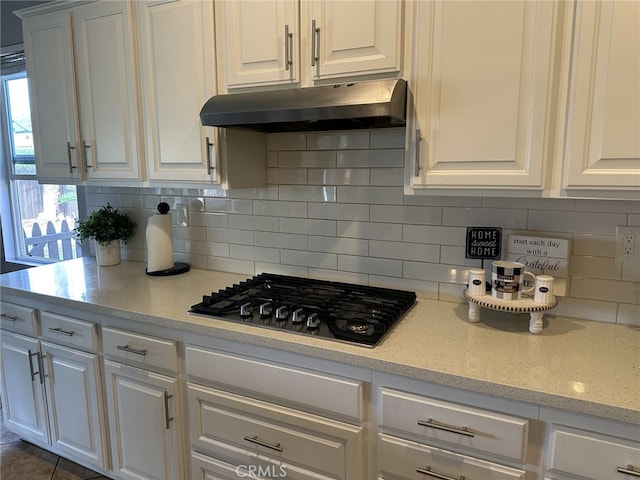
<point x="108" y="254"/>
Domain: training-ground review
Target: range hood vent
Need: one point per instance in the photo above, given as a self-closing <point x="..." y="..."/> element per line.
<point x="371" y="104"/>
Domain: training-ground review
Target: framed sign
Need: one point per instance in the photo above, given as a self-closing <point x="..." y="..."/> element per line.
<point x="483" y="242"/>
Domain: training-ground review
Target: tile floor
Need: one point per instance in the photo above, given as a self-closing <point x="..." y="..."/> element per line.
<point x="20" y="460"/>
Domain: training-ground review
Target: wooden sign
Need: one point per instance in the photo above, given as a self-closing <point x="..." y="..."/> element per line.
<point x="541" y="256"/>
<point x="483" y="242"/>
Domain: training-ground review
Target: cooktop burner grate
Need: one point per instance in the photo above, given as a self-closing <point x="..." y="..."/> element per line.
<point x="341" y="311"/>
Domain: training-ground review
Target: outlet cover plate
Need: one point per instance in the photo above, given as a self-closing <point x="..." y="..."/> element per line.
<point x="628" y="238"/>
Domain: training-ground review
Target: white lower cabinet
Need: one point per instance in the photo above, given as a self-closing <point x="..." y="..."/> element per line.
<point x="144" y="407"/>
<point x="422" y="437"/>
<point x="52" y="393"/>
<point x="590" y="448"/>
<point x="234" y="435"/>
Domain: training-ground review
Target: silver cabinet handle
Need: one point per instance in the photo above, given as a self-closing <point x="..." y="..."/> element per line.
<point x="60" y="331"/>
<point x="315" y="43"/>
<point x="137" y="351"/>
<point x="257" y="441"/>
<point x="416" y="172"/>
<point x="210" y="166"/>
<point x="86" y="147"/>
<point x="167" y="418"/>
<point x="288" y="47"/>
<point x="6" y="316"/>
<point x="629" y="470"/>
<point x="69" y="148"/>
<point x="427" y="471"/>
<point x="31" y="370"/>
<point x="447" y="428"/>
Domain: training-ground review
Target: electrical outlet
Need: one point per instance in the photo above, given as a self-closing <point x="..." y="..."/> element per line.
<point x="628" y="244"/>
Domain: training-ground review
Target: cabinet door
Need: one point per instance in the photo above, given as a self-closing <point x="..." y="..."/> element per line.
<point x="177" y="55"/>
<point x="481" y="86"/>
<point x="107" y="89"/>
<point x="73" y="400"/>
<point x="145" y="442"/>
<point x="23" y="401"/>
<point x="52" y="89"/>
<point x="259" y="42"/>
<point x="602" y="141"/>
<point x="352" y="37"/>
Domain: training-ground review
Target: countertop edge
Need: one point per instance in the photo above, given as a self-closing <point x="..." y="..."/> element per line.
<point x="545" y="399"/>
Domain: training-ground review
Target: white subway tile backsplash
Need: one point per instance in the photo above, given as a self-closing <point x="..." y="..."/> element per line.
<point x="287" y="176"/>
<point x="249" y="252"/>
<point x="393" y="177"/>
<point x="241" y="237"/>
<point x="388" y="137"/>
<point x="339" y="211"/>
<point x="308" y="226"/>
<point x="250" y="222"/>
<point x="419" y="252"/>
<point x="307" y="159"/>
<point x="575" y="222"/>
<point x="335" y="209"/>
<point x="369" y="195"/>
<point x="339" y="176"/>
<point x="286" y="141"/>
<point x="310" y="259"/>
<point x="485" y="217"/>
<point x="406" y="214"/>
<point x="280" y="209"/>
<point x="338" y="140"/>
<point x="370" y="265"/>
<point x="374" y="231"/>
<point x="370" y="158"/>
<point x="281" y="240"/>
<point x="307" y="193"/>
<point x="350" y="246"/>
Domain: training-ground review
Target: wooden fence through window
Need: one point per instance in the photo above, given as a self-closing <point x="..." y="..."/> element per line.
<point x="52" y="244"/>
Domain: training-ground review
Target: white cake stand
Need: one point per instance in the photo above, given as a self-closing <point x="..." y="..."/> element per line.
<point x="524" y="305"/>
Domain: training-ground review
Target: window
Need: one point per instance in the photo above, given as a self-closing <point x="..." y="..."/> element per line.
<point x="37" y="220"/>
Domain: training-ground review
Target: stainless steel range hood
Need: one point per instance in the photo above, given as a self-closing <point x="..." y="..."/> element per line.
<point x="371" y="104"/>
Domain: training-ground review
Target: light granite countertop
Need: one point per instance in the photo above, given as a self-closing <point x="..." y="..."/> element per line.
<point x="577" y="365"/>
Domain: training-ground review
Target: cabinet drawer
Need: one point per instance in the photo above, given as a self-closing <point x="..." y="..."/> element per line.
<point x="18" y="318"/>
<point x="590" y="455"/>
<point x="70" y="331"/>
<point x="224" y="423"/>
<point x="459" y="425"/>
<point x="400" y="458"/>
<point x="319" y="391"/>
<point x="138" y="348"/>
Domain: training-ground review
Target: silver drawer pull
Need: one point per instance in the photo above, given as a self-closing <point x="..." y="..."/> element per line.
<point x="257" y="441"/>
<point x="167" y="418"/>
<point x="6" y="316"/>
<point x="137" y="351"/>
<point x="427" y="471"/>
<point x="58" y="330"/>
<point x="629" y="470"/>
<point x="447" y="428"/>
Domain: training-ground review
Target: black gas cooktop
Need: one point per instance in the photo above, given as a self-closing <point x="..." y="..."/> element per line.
<point x="341" y="311"/>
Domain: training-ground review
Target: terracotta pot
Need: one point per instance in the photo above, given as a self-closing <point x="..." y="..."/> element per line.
<point x="108" y="254"/>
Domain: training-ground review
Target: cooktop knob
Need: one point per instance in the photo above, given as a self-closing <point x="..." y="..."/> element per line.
<point x="265" y="310"/>
<point x="245" y="310"/>
<point x="282" y="313"/>
<point x="313" y="321"/>
<point x="297" y="316"/>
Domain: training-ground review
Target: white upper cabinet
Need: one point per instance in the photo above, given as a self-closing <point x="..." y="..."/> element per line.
<point x="601" y="154"/>
<point x="83" y="85"/>
<point x="481" y="84"/>
<point x="287" y="42"/>
<point x="177" y="64"/>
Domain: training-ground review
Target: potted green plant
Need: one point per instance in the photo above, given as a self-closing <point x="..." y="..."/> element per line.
<point x="108" y="227"/>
